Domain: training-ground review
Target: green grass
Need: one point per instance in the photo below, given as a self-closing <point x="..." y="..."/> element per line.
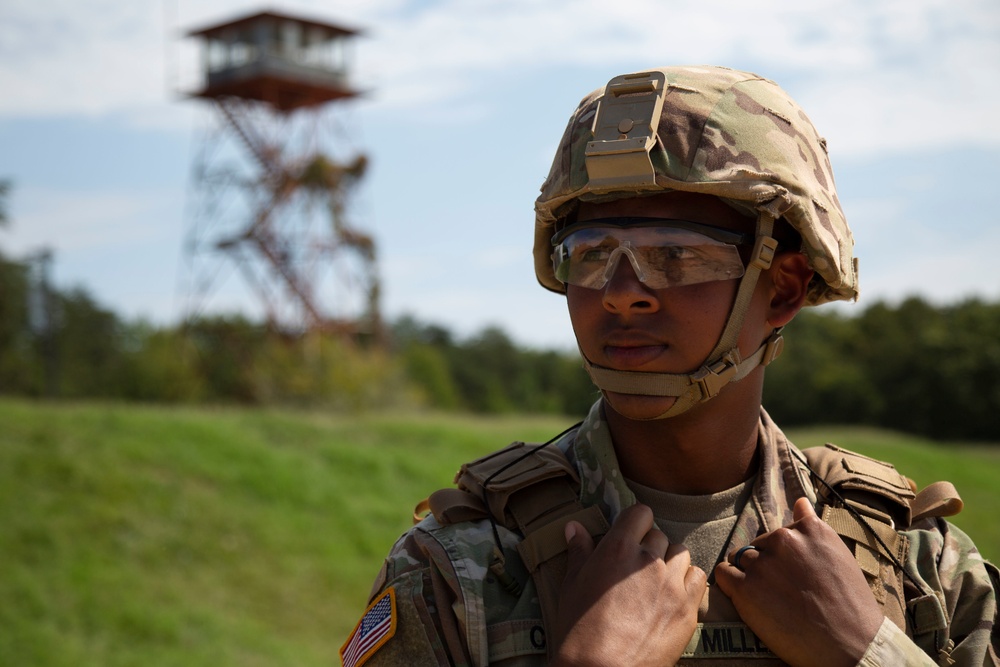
<point x="155" y="536"/>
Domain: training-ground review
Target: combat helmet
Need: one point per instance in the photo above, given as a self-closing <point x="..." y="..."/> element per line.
<point x="715" y="131"/>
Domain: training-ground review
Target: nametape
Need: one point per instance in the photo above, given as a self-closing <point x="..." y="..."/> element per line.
<point x="726" y="640"/>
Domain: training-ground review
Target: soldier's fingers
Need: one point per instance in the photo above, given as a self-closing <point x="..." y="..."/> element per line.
<point x="695" y="581"/>
<point x="678" y="555"/>
<point x="579" y="547"/>
<point x="803" y="509"/>
<point x="728" y="578"/>
<point x="655" y="543"/>
<point x="633" y="523"/>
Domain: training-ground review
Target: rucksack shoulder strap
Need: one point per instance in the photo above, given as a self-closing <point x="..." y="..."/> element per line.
<point x="532" y="489"/>
<point x="868" y="503"/>
<point x="876" y="485"/>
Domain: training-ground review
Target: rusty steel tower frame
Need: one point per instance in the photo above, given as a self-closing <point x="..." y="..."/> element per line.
<point x="271" y="191"/>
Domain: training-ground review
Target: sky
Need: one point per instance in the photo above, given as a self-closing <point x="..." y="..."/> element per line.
<point x="466" y="102"/>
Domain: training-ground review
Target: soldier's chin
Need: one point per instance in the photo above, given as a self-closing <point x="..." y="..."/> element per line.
<point x="638" y="407"/>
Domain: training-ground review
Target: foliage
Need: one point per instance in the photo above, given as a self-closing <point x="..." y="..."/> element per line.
<point x="245" y="536"/>
<point x="5" y="188"/>
<point x="489" y="373"/>
<point x="17" y="372"/>
<point x="89" y="352"/>
<point x="914" y="367"/>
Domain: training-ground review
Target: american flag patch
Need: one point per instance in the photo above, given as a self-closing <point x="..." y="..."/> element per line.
<point x="375" y="628"/>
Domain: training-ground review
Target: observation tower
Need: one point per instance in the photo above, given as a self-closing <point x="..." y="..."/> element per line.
<point x="273" y="177"/>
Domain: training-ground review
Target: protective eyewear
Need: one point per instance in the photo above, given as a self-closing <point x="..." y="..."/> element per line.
<point x="663" y="252"/>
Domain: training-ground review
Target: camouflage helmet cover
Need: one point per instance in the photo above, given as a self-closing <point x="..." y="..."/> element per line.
<point x="721" y="132"/>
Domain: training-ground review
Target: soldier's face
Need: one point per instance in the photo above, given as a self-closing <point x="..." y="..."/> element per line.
<point x="625" y="325"/>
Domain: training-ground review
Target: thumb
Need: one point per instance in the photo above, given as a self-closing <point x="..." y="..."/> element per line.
<point x="727" y="578"/>
<point x="579" y="547"/>
<point x="695" y="581"/>
<point x="803" y="509"/>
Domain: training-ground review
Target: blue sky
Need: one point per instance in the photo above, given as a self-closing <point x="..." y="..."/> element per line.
<point x="468" y="101"/>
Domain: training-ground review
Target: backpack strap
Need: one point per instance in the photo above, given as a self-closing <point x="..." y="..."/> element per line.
<point x="939" y="499"/>
<point x="533" y="490"/>
<point x="880" y="499"/>
<point x="868" y="503"/>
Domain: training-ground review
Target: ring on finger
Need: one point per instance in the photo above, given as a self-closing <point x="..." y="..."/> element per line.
<point x="739" y="554"/>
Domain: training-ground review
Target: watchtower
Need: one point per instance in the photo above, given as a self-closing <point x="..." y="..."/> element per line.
<point x="270" y="188"/>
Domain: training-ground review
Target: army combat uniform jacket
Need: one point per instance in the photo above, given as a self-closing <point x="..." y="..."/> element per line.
<point x="437" y="601"/>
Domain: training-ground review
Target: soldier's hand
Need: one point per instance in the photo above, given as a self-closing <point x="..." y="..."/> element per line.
<point x="803" y="593"/>
<point x="631" y="600"/>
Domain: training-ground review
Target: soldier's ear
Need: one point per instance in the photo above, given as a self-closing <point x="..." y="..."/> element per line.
<point x="789" y="276"/>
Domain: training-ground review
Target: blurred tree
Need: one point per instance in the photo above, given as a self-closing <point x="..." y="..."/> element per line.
<point x="819" y="377"/>
<point x="88" y="343"/>
<point x="20" y="368"/>
<point x="970" y="375"/>
<point x="158" y="365"/>
<point x="486" y="371"/>
<point x="5" y="187"/>
<point x="427" y="367"/>
<point x="489" y="373"/>
<point x="223" y="352"/>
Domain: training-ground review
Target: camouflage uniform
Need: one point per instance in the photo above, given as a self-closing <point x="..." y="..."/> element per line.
<point x="453" y="611"/>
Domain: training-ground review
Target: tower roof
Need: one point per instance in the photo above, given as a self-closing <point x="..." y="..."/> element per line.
<point x="217" y="29"/>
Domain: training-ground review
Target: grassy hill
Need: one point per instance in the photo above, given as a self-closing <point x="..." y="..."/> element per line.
<point x="155" y="536"/>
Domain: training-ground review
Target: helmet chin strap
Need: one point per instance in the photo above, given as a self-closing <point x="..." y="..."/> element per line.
<point x="724" y="363"/>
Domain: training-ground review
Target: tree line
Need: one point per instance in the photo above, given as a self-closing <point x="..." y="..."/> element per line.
<point x="916" y="367"/>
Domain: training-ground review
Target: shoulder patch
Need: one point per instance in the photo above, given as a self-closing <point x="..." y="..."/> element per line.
<point x="376" y="627"/>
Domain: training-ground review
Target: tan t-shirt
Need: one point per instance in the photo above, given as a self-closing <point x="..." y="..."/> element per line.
<point x="701" y="523"/>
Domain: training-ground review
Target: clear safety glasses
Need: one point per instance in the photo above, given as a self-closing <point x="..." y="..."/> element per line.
<point x="663" y="252"/>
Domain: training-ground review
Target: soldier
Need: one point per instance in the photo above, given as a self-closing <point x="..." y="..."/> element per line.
<point x="689" y="214"/>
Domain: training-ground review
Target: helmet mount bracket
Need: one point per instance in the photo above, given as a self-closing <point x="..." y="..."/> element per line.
<point x="625" y="127"/>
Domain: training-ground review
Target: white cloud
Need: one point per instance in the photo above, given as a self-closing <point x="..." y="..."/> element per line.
<point x="922" y="57"/>
<point x="884" y="76"/>
<point x="71" y="58"/>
